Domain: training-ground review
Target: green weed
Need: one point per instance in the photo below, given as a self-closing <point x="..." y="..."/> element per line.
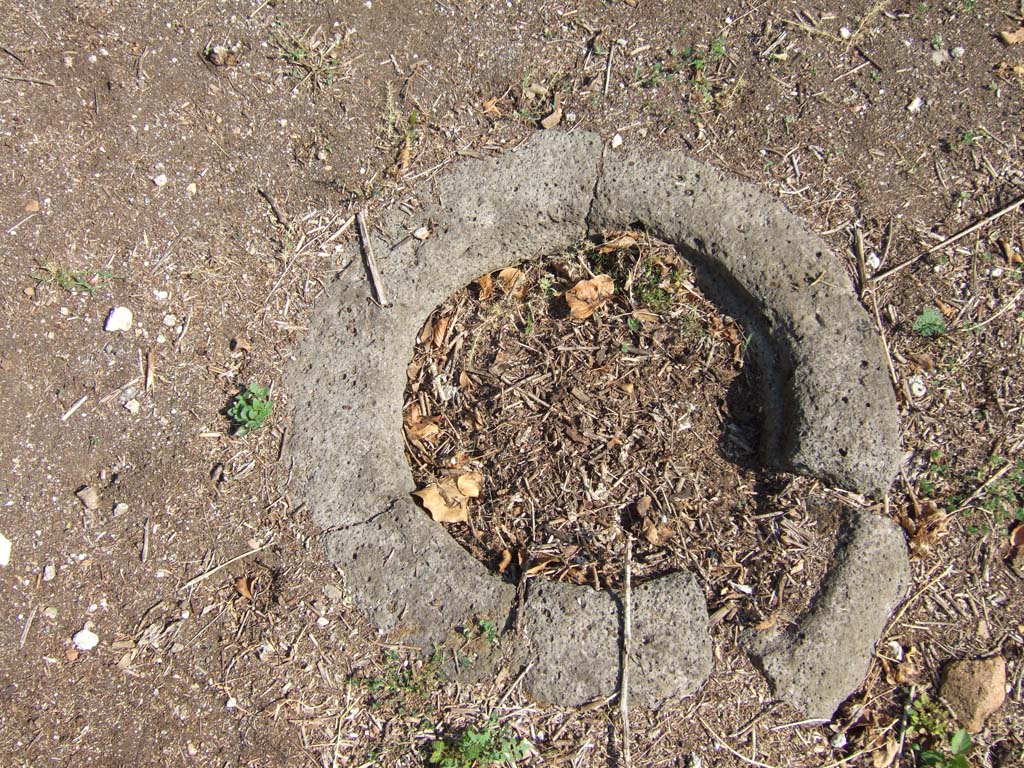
<point x="491" y="745"/>
<point x="930" y="323"/>
<point x="73" y="282"/>
<point x="955" y="756"/>
<point x="250" y="409"/>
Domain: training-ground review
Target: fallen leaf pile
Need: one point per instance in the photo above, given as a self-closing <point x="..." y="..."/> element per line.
<point x="447" y="500"/>
<point x="587" y="295"/>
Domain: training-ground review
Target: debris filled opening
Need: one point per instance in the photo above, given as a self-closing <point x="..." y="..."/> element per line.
<point x="553" y="408"/>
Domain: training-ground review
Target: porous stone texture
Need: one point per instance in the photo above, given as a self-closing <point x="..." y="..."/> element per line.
<point x="829" y="409"/>
<point x="818" y="663"/>
<point x="670" y="654"/>
<point x="974" y="689"/>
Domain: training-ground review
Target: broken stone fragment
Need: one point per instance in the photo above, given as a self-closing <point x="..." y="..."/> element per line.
<point x="119" y="319"/>
<point x="974" y="689"/>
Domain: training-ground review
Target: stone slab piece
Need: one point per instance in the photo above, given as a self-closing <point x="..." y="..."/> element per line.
<point x="974" y="689"/>
<point x="817" y="664"/>
<point x="346" y="385"/>
<point x="829" y="407"/>
<point x="575" y="636"/>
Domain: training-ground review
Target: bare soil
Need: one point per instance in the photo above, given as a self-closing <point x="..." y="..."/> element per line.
<point x="134" y="154"/>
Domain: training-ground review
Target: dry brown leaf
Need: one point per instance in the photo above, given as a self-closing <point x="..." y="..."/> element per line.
<point x="426" y="332"/>
<point x="543" y="562"/>
<point x="646" y="317"/>
<point x="926" y="529"/>
<point x="469" y="484"/>
<point x="486" y="287"/>
<point x="1013" y="38"/>
<point x="444" y="502"/>
<point x="767" y="623"/>
<point x="465" y="382"/>
<point x="883" y="757"/>
<point x="491" y="107"/>
<point x="620" y="242"/>
<point x="440" y="329"/>
<point x="243" y="586"/>
<point x="506" y="560"/>
<point x="945" y="308"/>
<point x="657" y="533"/>
<point x="909" y="670"/>
<point x="627" y="387"/>
<point x="587" y="295"/>
<point x="1017" y="536"/>
<point x="508" y="276"/>
<point x="423" y="429"/>
<point x="32" y="206"/>
<point x="241" y="344"/>
<point x="643" y="506"/>
<point x="552" y="119"/>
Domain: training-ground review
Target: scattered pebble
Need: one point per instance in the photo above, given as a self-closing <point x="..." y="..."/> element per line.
<point x="872" y="261"/>
<point x="845" y="33"/>
<point x="974" y="689"/>
<point x="996" y="272"/>
<point x="958" y="52"/>
<point x="49" y="572"/>
<point x="192" y="190"/>
<point x="222" y="56"/>
<point x="323" y="621"/>
<point x="160" y="179"/>
<point x="915" y="106"/>
<point x="50" y="612"/>
<point x="421" y="233"/>
<point x="89" y="497"/>
<point x="616" y="141"/>
<point x="5" y="551"/>
<point x="160" y="295"/>
<point x="85" y="639"/>
<point x="231" y="703"/>
<point x="917" y="386"/>
<point x="133" y="406"/>
<point x="940" y="57"/>
<point x="119" y="319"/>
<point x="32" y="206"/>
<point x="170" y="320"/>
<point x="838" y="741"/>
<point x="120" y="508"/>
<point x="332" y="592"/>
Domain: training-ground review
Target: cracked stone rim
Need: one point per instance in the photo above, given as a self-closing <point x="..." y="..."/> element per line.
<point x="832" y="415"/>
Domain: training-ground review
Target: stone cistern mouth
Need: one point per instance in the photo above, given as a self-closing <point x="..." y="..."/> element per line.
<point x="828" y="408"/>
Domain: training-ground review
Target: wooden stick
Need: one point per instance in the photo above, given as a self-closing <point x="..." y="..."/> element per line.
<point x="281" y="216"/>
<point x="34" y="80"/>
<point x="627" y="642"/>
<point x="953" y="238"/>
<point x="371" y="264"/>
<point x="70" y="411"/>
<point x="862" y="270"/>
<point x="203" y="576"/>
<point x="608" y="69"/>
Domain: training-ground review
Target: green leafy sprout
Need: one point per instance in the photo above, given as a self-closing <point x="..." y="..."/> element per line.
<point x="959" y="746"/>
<point x="251" y="408"/>
<point x="930" y="323"/>
<point x="491" y="745"/>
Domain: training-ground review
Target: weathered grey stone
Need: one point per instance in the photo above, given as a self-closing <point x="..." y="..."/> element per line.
<point x="575" y="636"/>
<point x="974" y="689"/>
<point x="829" y="409"/>
<point x="824" y="658"/>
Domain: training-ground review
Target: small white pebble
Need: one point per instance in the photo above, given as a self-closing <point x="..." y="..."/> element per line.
<point x="50" y="612"/>
<point x="421" y="233"/>
<point x="616" y="141"/>
<point x="132" y="406"/>
<point x="49" y="572"/>
<point x="917" y="386"/>
<point x="845" y="33"/>
<point x="119" y="319"/>
<point x="996" y="272"/>
<point x="192" y="190"/>
<point x="160" y="295"/>
<point x="323" y="621"/>
<point x="5" y="551"/>
<point x="872" y="262"/>
<point x="958" y="52"/>
<point x="85" y="639"/>
<point x="170" y="320"/>
<point x="915" y="106"/>
<point x="232" y="703"/>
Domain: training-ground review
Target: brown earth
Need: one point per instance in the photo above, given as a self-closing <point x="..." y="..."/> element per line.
<point x="110" y="112"/>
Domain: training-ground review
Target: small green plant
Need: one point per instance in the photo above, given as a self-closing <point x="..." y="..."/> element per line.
<point x="930" y="323"/>
<point x="72" y="282"/>
<point x="547" y="284"/>
<point x="926" y="718"/>
<point x="251" y="408"/>
<point x="491" y="745"/>
<point x="485" y="628"/>
<point x="937" y="42"/>
<point x="959" y="746"/>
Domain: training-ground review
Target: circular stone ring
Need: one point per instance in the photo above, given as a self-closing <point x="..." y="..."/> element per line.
<point x="830" y="413"/>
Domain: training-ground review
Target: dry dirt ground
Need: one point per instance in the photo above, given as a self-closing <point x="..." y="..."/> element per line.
<point x="135" y="141"/>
